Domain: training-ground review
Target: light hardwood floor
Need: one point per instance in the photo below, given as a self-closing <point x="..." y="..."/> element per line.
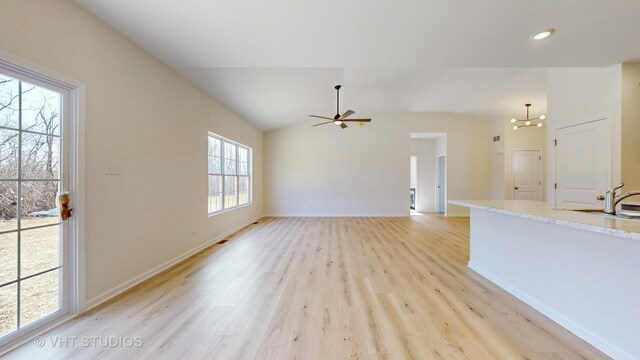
<point x="324" y="288"/>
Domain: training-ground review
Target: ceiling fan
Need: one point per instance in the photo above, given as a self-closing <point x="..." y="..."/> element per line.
<point x="340" y="119"/>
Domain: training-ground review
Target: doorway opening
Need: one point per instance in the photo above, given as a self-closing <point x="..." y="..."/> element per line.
<point x="441" y="183"/>
<point x="423" y="182"/>
<point x="413" y="182"/>
<point x="39" y="161"/>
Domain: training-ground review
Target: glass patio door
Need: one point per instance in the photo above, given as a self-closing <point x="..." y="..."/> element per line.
<point x="33" y="238"/>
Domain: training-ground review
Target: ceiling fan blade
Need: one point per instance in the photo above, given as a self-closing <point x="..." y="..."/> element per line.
<point x="328" y="122"/>
<point x="358" y="120"/>
<point x="321" y="117"/>
<point x="343" y="125"/>
<point x="347" y="114"/>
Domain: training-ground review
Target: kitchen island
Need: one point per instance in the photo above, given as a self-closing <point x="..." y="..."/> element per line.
<point x="581" y="270"/>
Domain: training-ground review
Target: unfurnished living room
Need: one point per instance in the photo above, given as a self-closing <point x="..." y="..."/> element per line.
<point x="320" y="179"/>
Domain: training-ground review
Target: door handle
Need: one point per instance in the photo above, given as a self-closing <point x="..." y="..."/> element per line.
<point x="65" y="206"/>
<point x="600" y="197"/>
<point x="516" y="188"/>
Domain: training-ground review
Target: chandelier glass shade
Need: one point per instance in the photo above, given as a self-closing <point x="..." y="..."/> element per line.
<point x="528" y="122"/>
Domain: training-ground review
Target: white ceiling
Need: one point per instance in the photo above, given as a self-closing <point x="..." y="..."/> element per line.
<point x="274" y="62"/>
<point x="273" y="98"/>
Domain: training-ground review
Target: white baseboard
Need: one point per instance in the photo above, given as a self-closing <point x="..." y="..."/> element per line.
<point x="158" y="269"/>
<point x="338" y="215"/>
<point x="586" y="335"/>
<point x="460" y="213"/>
<point x="457" y="215"/>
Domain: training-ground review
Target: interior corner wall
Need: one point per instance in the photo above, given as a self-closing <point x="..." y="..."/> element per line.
<point x="576" y="95"/>
<point x="530" y="138"/>
<point x="364" y="171"/>
<point x="425" y="191"/>
<point x="630" y="128"/>
<point x="441" y="145"/>
<point x="501" y="156"/>
<point x="496" y="160"/>
<point x="141" y="115"/>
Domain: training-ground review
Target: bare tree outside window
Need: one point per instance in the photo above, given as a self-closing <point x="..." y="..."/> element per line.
<point x="38" y="110"/>
<point x="229" y="174"/>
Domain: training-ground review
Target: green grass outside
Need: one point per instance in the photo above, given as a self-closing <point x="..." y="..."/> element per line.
<point x="229" y="201"/>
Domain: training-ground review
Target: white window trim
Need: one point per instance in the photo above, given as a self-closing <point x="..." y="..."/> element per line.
<point x="249" y="171"/>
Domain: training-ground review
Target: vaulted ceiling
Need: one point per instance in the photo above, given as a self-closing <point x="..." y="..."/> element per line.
<point x="274" y="62"/>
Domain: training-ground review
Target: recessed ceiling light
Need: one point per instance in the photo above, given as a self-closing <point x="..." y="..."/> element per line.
<point x="543" y="34"/>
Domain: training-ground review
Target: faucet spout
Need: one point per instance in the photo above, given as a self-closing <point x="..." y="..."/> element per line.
<point x="612" y="199"/>
<point x="626" y="195"/>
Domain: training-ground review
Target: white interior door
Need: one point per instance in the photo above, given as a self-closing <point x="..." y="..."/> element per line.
<point x="582" y="164"/>
<point x="527" y="170"/>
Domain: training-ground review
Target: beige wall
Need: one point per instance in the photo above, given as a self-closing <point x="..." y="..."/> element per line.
<point x="630" y="142"/>
<point x="441" y="145"/>
<point x="531" y="138"/>
<point x="497" y="185"/>
<point x="577" y="95"/>
<point x="501" y="156"/>
<point x="365" y="170"/>
<point x="144" y="116"/>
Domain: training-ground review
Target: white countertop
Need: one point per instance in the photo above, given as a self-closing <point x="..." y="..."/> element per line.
<point x="544" y="212"/>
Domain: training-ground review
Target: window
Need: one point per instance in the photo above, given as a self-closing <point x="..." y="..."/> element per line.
<point x="229" y="174"/>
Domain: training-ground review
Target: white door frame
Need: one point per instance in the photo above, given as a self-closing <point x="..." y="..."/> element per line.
<point x="513" y="172"/>
<point x="416" y="174"/>
<point x="437" y="172"/>
<point x="75" y="146"/>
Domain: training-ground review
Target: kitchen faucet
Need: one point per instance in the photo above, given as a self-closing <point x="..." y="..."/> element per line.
<point x="612" y="199"/>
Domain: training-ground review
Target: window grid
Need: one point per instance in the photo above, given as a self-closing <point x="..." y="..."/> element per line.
<point x="20" y="179"/>
<point x="229" y="176"/>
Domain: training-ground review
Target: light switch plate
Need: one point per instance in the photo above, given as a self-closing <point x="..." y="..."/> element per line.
<point x="112" y="169"/>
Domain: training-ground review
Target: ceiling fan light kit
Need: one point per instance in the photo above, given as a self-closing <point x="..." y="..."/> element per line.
<point x="528" y="122"/>
<point x="340" y="119"/>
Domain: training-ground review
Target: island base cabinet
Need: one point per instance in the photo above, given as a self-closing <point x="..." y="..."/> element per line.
<point x="587" y="282"/>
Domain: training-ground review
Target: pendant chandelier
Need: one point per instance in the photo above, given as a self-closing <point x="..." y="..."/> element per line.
<point x="535" y="122"/>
